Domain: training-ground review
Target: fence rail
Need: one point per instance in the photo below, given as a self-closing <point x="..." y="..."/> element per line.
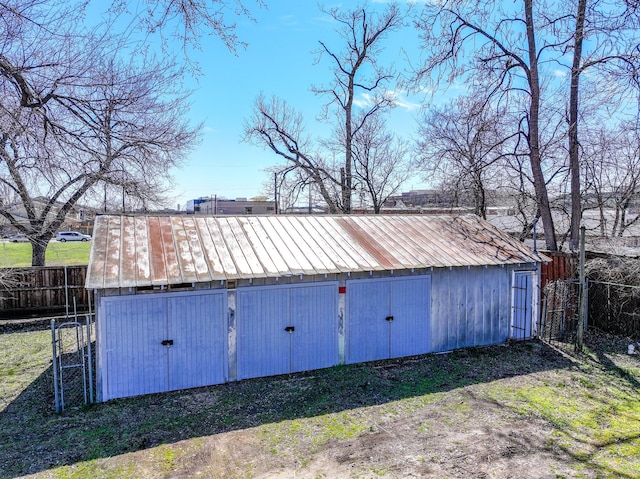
<point x="43" y="290"/>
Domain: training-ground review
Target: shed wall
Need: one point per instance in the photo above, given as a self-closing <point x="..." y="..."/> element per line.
<point x="471" y="307"/>
<point x="222" y="335"/>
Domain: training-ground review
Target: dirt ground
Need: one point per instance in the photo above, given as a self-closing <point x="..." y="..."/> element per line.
<point x="437" y="441"/>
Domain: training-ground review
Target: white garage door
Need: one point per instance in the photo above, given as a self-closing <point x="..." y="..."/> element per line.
<point x="388" y="318"/>
<point x="155" y="343"/>
<point x="283" y="329"/>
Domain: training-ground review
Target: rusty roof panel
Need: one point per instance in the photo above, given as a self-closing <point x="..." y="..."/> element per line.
<point x="345" y="242"/>
<point x="212" y="258"/>
<point x="364" y="240"/>
<point x="157" y="254"/>
<point x="174" y="275"/>
<point x="183" y="251"/>
<point x="96" y="268"/>
<point x="162" y="250"/>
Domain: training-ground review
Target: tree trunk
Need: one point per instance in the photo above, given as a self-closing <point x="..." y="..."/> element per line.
<point x="347" y="182"/>
<point x="539" y="184"/>
<point x="603" y="226"/>
<point x="574" y="160"/>
<point x="623" y="218"/>
<point x="616" y="220"/>
<point x="480" y="197"/>
<point x="38" y="250"/>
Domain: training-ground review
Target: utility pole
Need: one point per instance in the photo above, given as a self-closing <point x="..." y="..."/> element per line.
<point x="275" y="190"/>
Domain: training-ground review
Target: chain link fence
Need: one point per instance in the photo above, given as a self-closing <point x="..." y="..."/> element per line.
<point x="73" y="360"/>
<point x="559" y="318"/>
<point x="614" y="308"/>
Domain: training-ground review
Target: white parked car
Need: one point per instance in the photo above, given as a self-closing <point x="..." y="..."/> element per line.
<point x="72" y="236"/>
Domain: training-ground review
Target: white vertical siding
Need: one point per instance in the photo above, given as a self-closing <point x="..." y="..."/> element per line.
<point x="135" y="361"/>
<point x="407" y="304"/>
<point x="367" y="329"/>
<point x="314" y="314"/>
<point x="197" y="326"/>
<point x="265" y="347"/>
<point x="261" y="340"/>
<point x="411" y="310"/>
<point x="132" y="329"/>
<point x="471" y="307"/>
<point x="444" y="310"/>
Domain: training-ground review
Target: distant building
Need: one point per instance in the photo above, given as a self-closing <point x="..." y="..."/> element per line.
<point x="239" y="206"/>
<point x="77" y="218"/>
<point x="445" y="202"/>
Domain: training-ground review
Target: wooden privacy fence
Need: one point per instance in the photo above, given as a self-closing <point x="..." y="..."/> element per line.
<point x="43" y="290"/>
<point x="562" y="266"/>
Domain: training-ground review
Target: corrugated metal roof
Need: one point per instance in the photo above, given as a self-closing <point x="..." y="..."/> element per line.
<point x="136" y="251"/>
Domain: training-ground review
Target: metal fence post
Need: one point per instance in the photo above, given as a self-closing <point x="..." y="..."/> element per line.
<point x="582" y="308"/>
<point x="89" y="358"/>
<point x="56" y="390"/>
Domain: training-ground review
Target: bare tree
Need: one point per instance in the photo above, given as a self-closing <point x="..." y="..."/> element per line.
<point x="612" y="171"/>
<point x="604" y="41"/>
<point x="502" y="51"/>
<point x="517" y="50"/>
<point x="381" y="161"/>
<point x="356" y="70"/>
<point x="461" y="142"/>
<point x="277" y="126"/>
<point x="72" y="117"/>
<point x="330" y="163"/>
<point x="189" y="20"/>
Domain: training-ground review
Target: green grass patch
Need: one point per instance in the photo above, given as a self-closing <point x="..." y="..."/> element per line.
<point x="18" y="255"/>
<point x="596" y="417"/>
<point x="25" y="356"/>
<point x="95" y="470"/>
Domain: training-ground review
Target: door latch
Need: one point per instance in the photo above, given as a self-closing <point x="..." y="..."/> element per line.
<point x="290" y="329"/>
<point x="167" y="342"/>
<point x="389" y="318"/>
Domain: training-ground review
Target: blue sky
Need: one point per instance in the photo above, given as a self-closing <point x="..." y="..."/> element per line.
<point x="278" y="61"/>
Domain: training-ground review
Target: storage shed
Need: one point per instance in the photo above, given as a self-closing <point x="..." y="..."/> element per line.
<point x="188" y="301"/>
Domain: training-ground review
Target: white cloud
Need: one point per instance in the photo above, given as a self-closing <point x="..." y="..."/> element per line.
<point x="364" y="100"/>
<point x="401" y="100"/>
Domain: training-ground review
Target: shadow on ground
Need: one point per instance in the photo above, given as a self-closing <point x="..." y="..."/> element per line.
<point x="33" y="438"/>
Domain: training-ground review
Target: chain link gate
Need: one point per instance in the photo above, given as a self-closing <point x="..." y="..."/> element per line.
<point x="560" y="311"/>
<point x="72" y="363"/>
